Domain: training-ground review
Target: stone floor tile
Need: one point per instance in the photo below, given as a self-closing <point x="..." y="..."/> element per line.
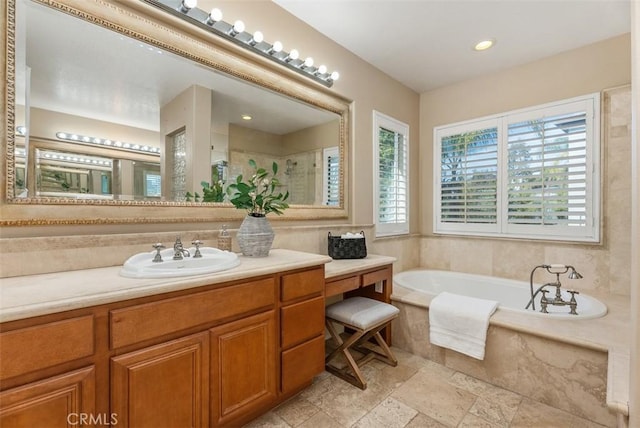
<point x="296" y="410"/>
<point x="499" y="414"/>
<point x="268" y="420"/>
<point x="473" y="421"/>
<point x="391" y="413"/>
<point x="424" y="421"/>
<point x="429" y="393"/>
<point x="533" y="414"/>
<point x="343" y="401"/>
<point x="321" y="420"/>
<point x="397" y="375"/>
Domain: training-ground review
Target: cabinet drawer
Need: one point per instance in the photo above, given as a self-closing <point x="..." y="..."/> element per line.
<point x="302" y="321"/>
<point x="149" y="320"/>
<point x="342" y="286"/>
<point x="302" y="363"/>
<point x="301" y="284"/>
<point x="376" y="276"/>
<point x="33" y="348"/>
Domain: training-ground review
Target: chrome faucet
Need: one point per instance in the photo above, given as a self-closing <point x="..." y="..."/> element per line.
<point x="179" y="251"/>
<point x="557" y="300"/>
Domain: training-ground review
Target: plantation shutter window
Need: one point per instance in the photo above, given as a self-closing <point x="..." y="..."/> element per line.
<point x="547" y="180"/>
<point x="468" y="178"/>
<point x="532" y="173"/>
<point x="391" y="186"/>
<point x="331" y="177"/>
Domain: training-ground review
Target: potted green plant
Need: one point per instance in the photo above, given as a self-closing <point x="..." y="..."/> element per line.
<point x="213" y="192"/>
<point x="259" y="196"/>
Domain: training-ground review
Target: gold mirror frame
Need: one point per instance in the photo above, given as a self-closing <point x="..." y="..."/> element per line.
<point x="141" y="21"/>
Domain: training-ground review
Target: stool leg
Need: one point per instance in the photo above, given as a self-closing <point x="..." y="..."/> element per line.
<point x="357" y="378"/>
<point x="391" y="359"/>
<point x="385" y="356"/>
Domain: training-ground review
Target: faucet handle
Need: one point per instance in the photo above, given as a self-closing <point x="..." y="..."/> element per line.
<point x="544" y="301"/>
<point x="573" y="303"/>
<point x="158" y="247"/>
<point x="197" y="244"/>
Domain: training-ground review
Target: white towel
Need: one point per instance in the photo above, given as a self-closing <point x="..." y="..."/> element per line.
<point x="460" y="323"/>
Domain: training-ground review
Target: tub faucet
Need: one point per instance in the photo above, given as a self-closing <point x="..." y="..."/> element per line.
<point x="179" y="251"/>
<point x="557" y="300"/>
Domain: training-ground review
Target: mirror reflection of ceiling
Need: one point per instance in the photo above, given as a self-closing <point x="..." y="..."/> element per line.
<point x="129" y="81"/>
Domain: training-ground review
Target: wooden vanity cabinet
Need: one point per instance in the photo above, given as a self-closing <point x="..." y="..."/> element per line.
<point x="57" y="395"/>
<point x="302" y="329"/>
<point x="162" y="385"/>
<point x="57" y="401"/>
<point x="218" y="355"/>
<point x="243" y="368"/>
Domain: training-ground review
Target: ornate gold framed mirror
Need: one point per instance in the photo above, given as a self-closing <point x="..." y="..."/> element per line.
<point x="129" y="108"/>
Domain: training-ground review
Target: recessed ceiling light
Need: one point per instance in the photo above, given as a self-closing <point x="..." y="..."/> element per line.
<point x="246" y="117"/>
<point x="484" y="45"/>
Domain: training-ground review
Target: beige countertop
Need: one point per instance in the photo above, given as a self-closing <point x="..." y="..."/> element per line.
<point x="34" y="295"/>
<point x="343" y="267"/>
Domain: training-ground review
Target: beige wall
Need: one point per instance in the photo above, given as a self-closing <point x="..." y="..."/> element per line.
<point x="312" y="138"/>
<point x="578" y="72"/>
<point x="243" y="139"/>
<point x="189" y="111"/>
<point x="634" y="402"/>
<point x="585" y="70"/>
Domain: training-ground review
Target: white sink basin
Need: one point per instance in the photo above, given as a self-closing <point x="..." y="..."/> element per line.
<point x="213" y="260"/>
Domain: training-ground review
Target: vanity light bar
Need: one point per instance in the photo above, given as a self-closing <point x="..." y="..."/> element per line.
<point x="105" y="142"/>
<point x="75" y="159"/>
<point x="212" y="22"/>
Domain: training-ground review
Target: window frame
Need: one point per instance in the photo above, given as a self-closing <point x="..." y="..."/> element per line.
<point x="591" y="232"/>
<point x="381" y="120"/>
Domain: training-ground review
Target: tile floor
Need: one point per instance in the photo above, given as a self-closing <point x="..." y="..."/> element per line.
<point x="416" y="393"/>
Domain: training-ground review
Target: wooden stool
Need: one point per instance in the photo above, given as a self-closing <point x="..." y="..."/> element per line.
<point x="366" y="317"/>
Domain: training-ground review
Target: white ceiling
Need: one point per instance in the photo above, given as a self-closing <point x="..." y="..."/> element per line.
<point x="427" y="44"/>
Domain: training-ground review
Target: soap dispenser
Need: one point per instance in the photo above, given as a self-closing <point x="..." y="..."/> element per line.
<point x="224" y="239"/>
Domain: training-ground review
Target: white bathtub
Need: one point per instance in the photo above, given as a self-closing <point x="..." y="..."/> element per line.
<point x="512" y="295"/>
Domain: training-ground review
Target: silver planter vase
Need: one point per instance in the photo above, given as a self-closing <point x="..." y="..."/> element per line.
<point x="255" y="236"/>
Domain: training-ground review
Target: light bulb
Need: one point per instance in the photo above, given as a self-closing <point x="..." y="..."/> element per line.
<point x="293" y="55"/>
<point x="322" y="69"/>
<point x="277" y="47"/>
<point x="335" y="76"/>
<point x="257" y="38"/>
<point x="484" y="45"/>
<point x="214" y="16"/>
<point x="238" y="27"/>
<point x="187" y="5"/>
<point x="308" y="62"/>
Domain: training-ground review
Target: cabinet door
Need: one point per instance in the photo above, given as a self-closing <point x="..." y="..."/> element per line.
<point x="243" y="368"/>
<point x="163" y="385"/>
<point x="59" y="401"/>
